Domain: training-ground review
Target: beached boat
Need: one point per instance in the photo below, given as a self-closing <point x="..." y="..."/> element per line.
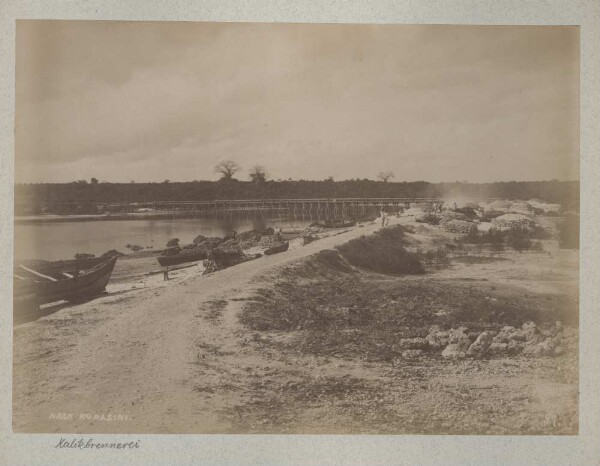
<point x="227" y="257"/>
<point x="291" y="233"/>
<point x="49" y="282"/>
<point x="307" y="239"/>
<point x="174" y="259"/>
<point x="60" y="267"/>
<point x="277" y="248"/>
<point x="334" y="224"/>
<point x="218" y="260"/>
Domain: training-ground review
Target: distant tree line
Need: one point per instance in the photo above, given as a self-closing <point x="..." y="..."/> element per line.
<point x="47" y="197"/>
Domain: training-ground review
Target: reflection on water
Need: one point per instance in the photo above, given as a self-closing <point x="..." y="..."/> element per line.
<point x="53" y="241"/>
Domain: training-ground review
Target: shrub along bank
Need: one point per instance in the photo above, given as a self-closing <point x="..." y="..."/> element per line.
<point x="382" y="252"/>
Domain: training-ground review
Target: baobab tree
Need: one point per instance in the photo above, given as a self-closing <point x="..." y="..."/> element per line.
<point x="258" y="174"/>
<point x="227" y="168"/>
<point x="385" y="176"/>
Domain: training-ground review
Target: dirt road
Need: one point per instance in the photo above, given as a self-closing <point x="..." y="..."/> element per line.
<point x="156" y="360"/>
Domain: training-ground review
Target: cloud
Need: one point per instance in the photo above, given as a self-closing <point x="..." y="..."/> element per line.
<point x="149" y="101"/>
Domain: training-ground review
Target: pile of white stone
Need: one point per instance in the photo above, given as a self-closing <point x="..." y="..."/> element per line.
<point x="458" y="343"/>
<point x="460" y="226"/>
<point x="528" y="341"/>
<point x="448" y="215"/>
<point x="513" y="222"/>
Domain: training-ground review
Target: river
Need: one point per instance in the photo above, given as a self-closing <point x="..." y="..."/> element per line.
<point x="62" y="240"/>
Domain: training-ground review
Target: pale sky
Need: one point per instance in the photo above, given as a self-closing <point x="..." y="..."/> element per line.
<point x="148" y="101"/>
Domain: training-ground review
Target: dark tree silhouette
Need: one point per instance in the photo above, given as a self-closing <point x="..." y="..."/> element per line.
<point x="59" y="198"/>
<point x="258" y="174"/>
<point x="385" y="176"/>
<point x="227" y="168"/>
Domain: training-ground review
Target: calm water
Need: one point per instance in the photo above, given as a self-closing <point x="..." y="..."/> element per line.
<point x="53" y="241"/>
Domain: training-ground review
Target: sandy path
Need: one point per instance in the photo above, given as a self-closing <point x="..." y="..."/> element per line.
<point x="158" y="357"/>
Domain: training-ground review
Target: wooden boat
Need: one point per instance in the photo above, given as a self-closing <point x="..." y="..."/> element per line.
<point x="281" y="247"/>
<point x="181" y="258"/>
<point x="334" y="224"/>
<point x="291" y="233"/>
<point x="219" y="260"/>
<point x="59" y="267"/>
<point x="49" y="282"/>
<point x="307" y="239"/>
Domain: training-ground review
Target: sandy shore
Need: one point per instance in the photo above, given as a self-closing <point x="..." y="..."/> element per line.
<point x="174" y="357"/>
<point x="133" y="353"/>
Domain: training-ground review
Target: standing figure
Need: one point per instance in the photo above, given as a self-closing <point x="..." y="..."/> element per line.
<point x="278" y="234"/>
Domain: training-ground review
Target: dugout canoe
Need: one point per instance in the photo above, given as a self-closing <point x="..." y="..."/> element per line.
<point x="334" y="224"/>
<point x="277" y="248"/>
<point x="62" y="280"/>
<point x="181" y="258"/>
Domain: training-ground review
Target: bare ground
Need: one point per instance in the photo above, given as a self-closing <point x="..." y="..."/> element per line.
<point x="183" y="358"/>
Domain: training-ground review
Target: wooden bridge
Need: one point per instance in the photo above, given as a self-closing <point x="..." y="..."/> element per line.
<point x="325" y="208"/>
<point x="320" y="208"/>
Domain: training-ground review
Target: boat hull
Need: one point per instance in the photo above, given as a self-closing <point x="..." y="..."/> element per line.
<point x="335" y="224"/>
<point x="56" y="268"/>
<point x="87" y="284"/>
<point x="81" y="286"/>
<point x="166" y="261"/>
<point x="276" y="249"/>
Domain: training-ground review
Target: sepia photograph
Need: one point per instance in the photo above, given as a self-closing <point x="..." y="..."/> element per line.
<point x="296" y="228"/>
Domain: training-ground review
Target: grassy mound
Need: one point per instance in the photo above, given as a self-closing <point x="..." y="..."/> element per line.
<point x="322" y="265"/>
<point x="382" y="252"/>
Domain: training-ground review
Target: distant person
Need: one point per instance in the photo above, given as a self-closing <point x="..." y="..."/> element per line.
<point x="166" y="274"/>
<point x="210" y="264"/>
<point x="383" y="218"/>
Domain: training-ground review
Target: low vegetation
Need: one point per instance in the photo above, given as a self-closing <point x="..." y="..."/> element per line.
<point x="519" y="240"/>
<point x="382" y="252"/>
<point x="349" y="314"/>
<point x="97" y="197"/>
<point x="173" y="243"/>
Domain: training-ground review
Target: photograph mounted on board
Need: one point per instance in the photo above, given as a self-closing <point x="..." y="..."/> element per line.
<point x="296" y="228"/>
